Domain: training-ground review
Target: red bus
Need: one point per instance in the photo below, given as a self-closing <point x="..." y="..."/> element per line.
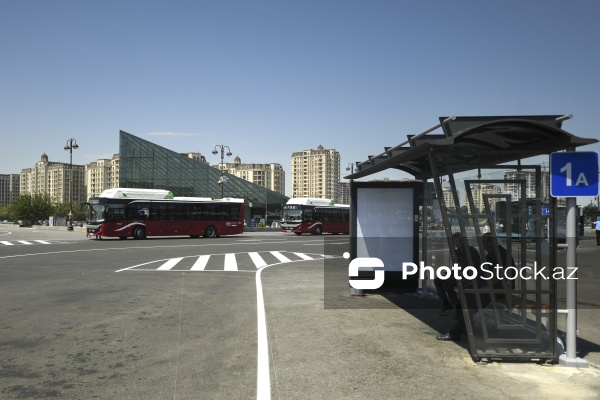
<point x="306" y="218"/>
<point x="139" y="218"/>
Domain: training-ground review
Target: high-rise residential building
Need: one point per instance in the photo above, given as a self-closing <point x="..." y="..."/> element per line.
<point x="514" y="189"/>
<point x="270" y="176"/>
<point x="343" y="193"/>
<point x="477" y="192"/>
<point x="449" y="199"/>
<point x="101" y="175"/>
<point x="116" y="170"/>
<point x="62" y="182"/>
<point x="316" y="173"/>
<point x="9" y="188"/>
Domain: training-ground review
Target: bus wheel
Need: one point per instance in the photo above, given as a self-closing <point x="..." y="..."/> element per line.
<point x="122" y="237"/>
<point x="139" y="233"/>
<point x="210" y="232"/>
<point x="318" y="230"/>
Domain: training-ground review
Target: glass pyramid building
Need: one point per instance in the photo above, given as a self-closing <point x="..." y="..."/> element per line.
<point x="146" y="165"/>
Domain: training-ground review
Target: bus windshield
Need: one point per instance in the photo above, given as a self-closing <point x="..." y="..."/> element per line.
<point x="95" y="212"/>
<point x="292" y="213"/>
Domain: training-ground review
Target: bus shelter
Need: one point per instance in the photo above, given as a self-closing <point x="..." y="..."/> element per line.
<point x="514" y="317"/>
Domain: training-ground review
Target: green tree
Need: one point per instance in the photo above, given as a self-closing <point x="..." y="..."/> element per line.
<point x="4" y="214"/>
<point x="79" y="212"/>
<point x="61" y="209"/>
<point x="31" y="208"/>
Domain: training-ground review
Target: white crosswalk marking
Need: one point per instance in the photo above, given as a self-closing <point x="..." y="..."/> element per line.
<point x="230" y="262"/>
<point x="25" y="242"/>
<point x="200" y="263"/>
<point x="280" y="256"/>
<point x="169" y="264"/>
<point x="304" y="256"/>
<point x="257" y="260"/>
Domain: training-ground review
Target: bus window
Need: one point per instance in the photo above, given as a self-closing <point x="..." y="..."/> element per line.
<point x="115" y="212"/>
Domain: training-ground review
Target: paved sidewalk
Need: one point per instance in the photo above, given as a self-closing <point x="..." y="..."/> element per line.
<point x="381" y="351"/>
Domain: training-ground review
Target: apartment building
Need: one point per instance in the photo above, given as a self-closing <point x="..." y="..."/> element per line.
<point x="9" y="188"/>
<point x="449" y="198"/>
<point x="316" y="173"/>
<point x="514" y="189"/>
<point x="101" y="175"/>
<point x="270" y="176"/>
<point x="478" y="201"/>
<point x="59" y="180"/>
<point x="196" y="157"/>
<point x="343" y="193"/>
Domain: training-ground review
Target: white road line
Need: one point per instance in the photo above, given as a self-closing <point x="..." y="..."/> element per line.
<point x="24" y="242"/>
<point x="304" y="256"/>
<point x="7" y="243"/>
<point x="280" y="256"/>
<point x="43" y="242"/>
<point x="230" y="262"/>
<point x="263" y="379"/>
<point x="200" y="263"/>
<point x="263" y="374"/>
<point x="257" y="260"/>
<point x="169" y="264"/>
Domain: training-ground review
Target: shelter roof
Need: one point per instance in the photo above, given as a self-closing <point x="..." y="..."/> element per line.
<point x="474" y="142"/>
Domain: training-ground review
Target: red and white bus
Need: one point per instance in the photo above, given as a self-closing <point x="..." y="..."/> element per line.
<point x="140" y="213"/>
<point x="315" y="216"/>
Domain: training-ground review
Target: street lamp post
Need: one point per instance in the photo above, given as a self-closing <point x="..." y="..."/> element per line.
<point x="71" y="145"/>
<point x="350" y="167"/>
<point x="222" y="179"/>
<point x="266" y="216"/>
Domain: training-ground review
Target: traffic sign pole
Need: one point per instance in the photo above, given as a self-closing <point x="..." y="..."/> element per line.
<point x="570" y="359"/>
<point x="565" y="167"/>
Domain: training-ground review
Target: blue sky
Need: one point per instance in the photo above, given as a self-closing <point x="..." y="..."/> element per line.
<point x="268" y="78"/>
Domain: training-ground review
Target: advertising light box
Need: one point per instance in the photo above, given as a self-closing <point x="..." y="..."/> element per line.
<point x="385" y="225"/>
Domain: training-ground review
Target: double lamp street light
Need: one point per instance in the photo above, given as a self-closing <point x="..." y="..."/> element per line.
<point x="71" y="145"/>
<point x="215" y="152"/>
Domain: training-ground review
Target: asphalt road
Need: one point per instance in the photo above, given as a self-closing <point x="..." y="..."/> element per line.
<point x="180" y="318"/>
<point x="159" y="318"/>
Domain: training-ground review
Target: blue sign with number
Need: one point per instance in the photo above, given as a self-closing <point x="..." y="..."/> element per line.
<point x="574" y="174"/>
<point x="545" y="210"/>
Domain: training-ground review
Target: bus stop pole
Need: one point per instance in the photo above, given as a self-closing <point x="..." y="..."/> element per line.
<point x="570" y="359"/>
